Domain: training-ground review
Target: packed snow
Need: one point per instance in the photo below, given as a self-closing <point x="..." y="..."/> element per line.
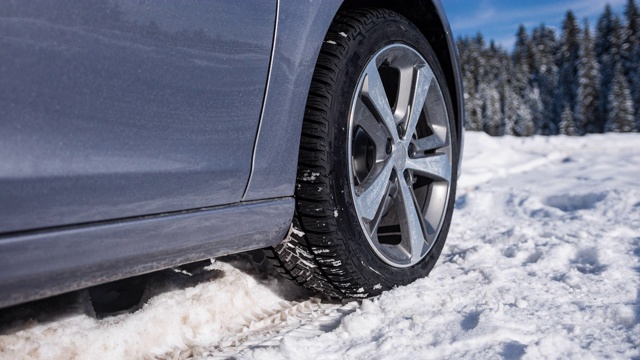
<point x="542" y="262"/>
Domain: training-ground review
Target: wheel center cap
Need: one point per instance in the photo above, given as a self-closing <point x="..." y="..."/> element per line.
<point x="400" y="154"/>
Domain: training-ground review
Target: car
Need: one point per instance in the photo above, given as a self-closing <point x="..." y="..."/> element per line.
<point x="137" y="136"/>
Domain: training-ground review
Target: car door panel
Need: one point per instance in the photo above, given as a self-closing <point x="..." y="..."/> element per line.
<point x="117" y="109"/>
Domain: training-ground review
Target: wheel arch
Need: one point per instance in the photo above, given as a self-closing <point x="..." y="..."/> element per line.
<point x="301" y="27"/>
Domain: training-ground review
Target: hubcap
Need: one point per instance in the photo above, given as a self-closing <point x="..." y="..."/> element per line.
<point x="399" y="155"/>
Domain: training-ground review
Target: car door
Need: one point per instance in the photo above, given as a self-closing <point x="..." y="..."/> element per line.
<point x="114" y="109"/>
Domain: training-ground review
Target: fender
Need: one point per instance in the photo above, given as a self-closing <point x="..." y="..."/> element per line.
<point x="300" y="31"/>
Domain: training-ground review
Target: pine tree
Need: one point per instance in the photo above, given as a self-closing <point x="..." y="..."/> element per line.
<point x="511" y="103"/>
<point x="494" y="75"/>
<point x="631" y="38"/>
<point x="472" y="62"/>
<point x="620" y="110"/>
<point x="503" y="72"/>
<point x="491" y="110"/>
<point x="473" y="109"/>
<point x="524" y="125"/>
<point x="544" y="76"/>
<point x="631" y="54"/>
<point x="568" y="59"/>
<point x="528" y="125"/>
<point x="521" y="70"/>
<point x="587" y="109"/>
<point x="604" y="54"/>
<point x="633" y="18"/>
<point x="605" y="31"/>
<point x="519" y="117"/>
<point x="467" y="77"/>
<point x="567" y="125"/>
<point x="608" y="46"/>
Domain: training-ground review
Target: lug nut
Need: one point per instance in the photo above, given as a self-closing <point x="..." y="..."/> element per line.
<point x="412" y="149"/>
<point x="389" y="147"/>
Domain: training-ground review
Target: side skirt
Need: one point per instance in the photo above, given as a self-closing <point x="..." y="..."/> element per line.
<point x="40" y="264"/>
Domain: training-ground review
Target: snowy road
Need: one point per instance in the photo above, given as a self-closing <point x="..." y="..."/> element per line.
<point x="543" y="261"/>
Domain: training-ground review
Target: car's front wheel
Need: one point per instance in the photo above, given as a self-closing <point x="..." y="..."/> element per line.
<point x="377" y="167"/>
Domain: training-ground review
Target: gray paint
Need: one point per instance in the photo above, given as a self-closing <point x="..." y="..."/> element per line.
<point x="112" y="109"/>
<point x="302" y="26"/>
<point x="31" y="268"/>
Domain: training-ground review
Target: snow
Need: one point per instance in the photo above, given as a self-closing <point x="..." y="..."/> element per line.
<point x="177" y="318"/>
<point x="542" y="262"/>
<point x="309" y="175"/>
<point x="297" y="231"/>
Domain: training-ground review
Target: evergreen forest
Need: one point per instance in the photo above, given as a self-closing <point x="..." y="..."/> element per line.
<point x="577" y="80"/>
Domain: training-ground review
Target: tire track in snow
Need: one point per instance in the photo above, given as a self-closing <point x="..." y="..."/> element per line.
<point x="264" y="328"/>
<point x="483" y="178"/>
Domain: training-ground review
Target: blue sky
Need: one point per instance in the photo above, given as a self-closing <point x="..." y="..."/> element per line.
<point x="499" y="19"/>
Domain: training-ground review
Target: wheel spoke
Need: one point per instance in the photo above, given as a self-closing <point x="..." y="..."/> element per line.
<point x="432" y="142"/>
<point x="376" y="189"/>
<point x="423" y="78"/>
<point x="411" y="222"/>
<point x="374" y="224"/>
<point x="433" y="209"/>
<point x="373" y="91"/>
<point x="436" y="109"/>
<point x="437" y="167"/>
<point x="368" y="123"/>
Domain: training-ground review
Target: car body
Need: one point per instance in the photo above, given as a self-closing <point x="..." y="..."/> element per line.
<point x="136" y="136"/>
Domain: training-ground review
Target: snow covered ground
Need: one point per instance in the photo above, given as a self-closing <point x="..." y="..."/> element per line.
<point x="543" y="262"/>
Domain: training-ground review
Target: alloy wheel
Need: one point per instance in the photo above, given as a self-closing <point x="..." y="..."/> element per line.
<point x="400" y="157"/>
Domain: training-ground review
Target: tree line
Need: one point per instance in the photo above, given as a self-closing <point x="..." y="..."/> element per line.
<point x="579" y="82"/>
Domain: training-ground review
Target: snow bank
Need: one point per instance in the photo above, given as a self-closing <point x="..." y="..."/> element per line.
<point x="179" y="318"/>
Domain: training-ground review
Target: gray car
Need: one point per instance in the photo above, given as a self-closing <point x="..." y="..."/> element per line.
<point x="139" y="135"/>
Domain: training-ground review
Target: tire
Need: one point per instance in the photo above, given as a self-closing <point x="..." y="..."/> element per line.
<point x="353" y="234"/>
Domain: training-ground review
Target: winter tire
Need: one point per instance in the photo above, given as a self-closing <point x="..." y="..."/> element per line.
<point x="377" y="166"/>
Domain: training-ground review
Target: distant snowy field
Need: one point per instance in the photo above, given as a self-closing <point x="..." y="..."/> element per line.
<point x="543" y="262"/>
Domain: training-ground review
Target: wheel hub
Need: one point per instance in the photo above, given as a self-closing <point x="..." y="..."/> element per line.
<point x="400" y="155"/>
